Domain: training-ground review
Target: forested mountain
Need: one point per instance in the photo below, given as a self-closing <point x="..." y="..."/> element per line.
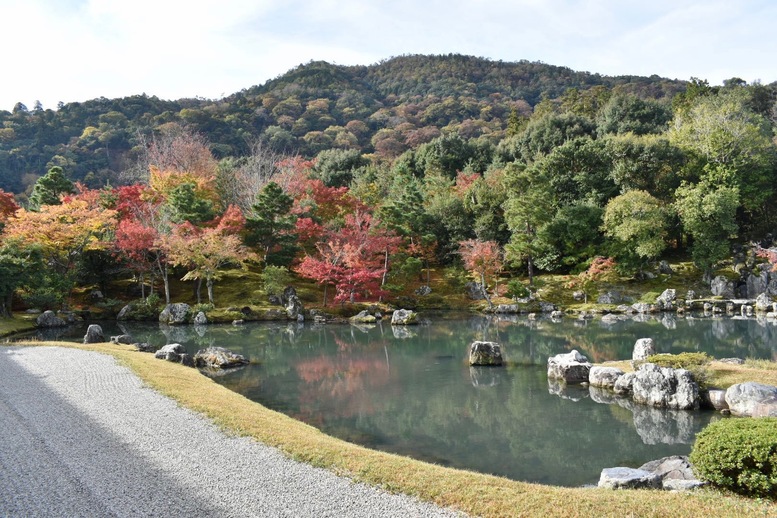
<point x="385" y="109"/>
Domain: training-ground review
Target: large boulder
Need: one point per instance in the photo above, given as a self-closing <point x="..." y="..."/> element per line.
<point x="485" y="353"/>
<point x="676" y="472"/>
<point x="218" y="358"/>
<point x="722" y="287"/>
<point x="122" y="339"/>
<point x="571" y="367"/>
<point x="609" y="298"/>
<point x="363" y="317"/>
<point x="763" y="303"/>
<point x="200" y="319"/>
<point x="643" y="348"/>
<point x="752" y="399"/>
<point x="293" y="306"/>
<point x="665" y="387"/>
<point x="628" y="478"/>
<point x="404" y="317"/>
<point x="624" y="384"/>
<point x="642" y="307"/>
<point x="666" y="301"/>
<point x="49" y="319"/>
<point x="94" y="335"/>
<point x="170" y="352"/>
<point x="175" y="314"/>
<point x="604" y="377"/>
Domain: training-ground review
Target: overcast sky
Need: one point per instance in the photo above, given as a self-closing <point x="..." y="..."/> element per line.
<point x="75" y="50"/>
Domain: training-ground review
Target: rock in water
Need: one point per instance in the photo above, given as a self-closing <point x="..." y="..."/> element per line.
<point x="404" y="317"/>
<point x="665" y="387"/>
<point x="218" y="358"/>
<point x="293" y="306"/>
<point x="200" y="319"/>
<point x="94" y="335"/>
<point x="604" y="377"/>
<point x="666" y="301"/>
<point x="49" y="319"/>
<point x="175" y="314"/>
<point x="363" y="317"/>
<point x="485" y="353"/>
<point x="171" y="352"/>
<point x="571" y="367"/>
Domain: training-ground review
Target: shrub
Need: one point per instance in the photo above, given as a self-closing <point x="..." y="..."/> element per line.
<point x="739" y="455"/>
<point x="275" y="279"/>
<point x="517" y="290"/>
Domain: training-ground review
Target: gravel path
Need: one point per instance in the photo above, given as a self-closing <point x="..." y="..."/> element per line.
<point x="81" y="436"/>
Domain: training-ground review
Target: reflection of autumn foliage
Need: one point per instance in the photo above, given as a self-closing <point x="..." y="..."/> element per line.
<point x="346" y="379"/>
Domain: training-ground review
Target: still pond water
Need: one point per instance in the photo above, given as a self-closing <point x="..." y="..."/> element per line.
<point x="410" y="391"/>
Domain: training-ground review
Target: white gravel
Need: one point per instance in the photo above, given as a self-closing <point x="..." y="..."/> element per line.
<point x="81" y="436"/>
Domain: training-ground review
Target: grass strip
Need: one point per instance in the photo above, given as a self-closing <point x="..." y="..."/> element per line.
<point x="474" y="493"/>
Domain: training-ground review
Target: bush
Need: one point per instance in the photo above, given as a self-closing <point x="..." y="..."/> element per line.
<point x="517" y="290"/>
<point x="696" y="363"/>
<point x="739" y="455"/>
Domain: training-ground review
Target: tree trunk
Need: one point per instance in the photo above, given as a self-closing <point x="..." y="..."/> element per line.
<point x="6" y="311"/>
<point x="209" y="284"/>
<point x="530" y="262"/>
<point x="325" y="287"/>
<point x="485" y="291"/>
<point x="198" y="290"/>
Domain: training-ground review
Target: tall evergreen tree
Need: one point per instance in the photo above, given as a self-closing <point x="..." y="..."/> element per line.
<point x="270" y="227"/>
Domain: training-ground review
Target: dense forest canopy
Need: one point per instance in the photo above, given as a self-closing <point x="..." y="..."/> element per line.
<point x="363" y="178"/>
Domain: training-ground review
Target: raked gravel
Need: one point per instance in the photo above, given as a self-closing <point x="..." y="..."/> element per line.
<point x="81" y="436"/>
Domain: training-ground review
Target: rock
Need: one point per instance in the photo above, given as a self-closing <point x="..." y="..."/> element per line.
<point x="143" y="347"/>
<point x="641" y="307"/>
<point x="474" y="290"/>
<point x="665" y="387"/>
<point x="557" y="315"/>
<point x="218" y="358"/>
<point x="404" y="317"/>
<point x="628" y="478"/>
<point x="293" y="306"/>
<point x="675" y="472"/>
<point x="663" y="267"/>
<point x="643" y="348"/>
<point x="423" y="291"/>
<point x="187" y="360"/>
<point x="532" y="316"/>
<point x="714" y="399"/>
<point x="363" y="317"/>
<point x="571" y="367"/>
<point x="746" y="310"/>
<point x="96" y="295"/>
<point x="722" y="287"/>
<point x="604" y="377"/>
<point x="507" y="309"/>
<point x="624" y="384"/>
<point x="548" y="307"/>
<point x="763" y="303"/>
<point x="485" y="353"/>
<point x="49" y="319"/>
<point x="752" y="399"/>
<point x="275" y="300"/>
<point x="175" y="314"/>
<point x="200" y="319"/>
<point x="170" y="352"/>
<point x="578" y="295"/>
<point x="33" y="311"/>
<point x="402" y="332"/>
<point x="690" y="295"/>
<point x="610" y="318"/>
<point x="626" y="310"/>
<point x="608" y="298"/>
<point x="732" y="361"/>
<point x="288" y="292"/>
<point x="237" y="322"/>
<point x="94" y="335"/>
<point x="666" y="301"/>
<point x="121" y="339"/>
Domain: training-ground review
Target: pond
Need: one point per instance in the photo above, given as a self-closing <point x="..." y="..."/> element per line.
<point x="410" y="391"/>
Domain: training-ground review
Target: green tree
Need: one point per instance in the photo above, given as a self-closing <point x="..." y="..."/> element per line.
<point x="187" y="206"/>
<point x="20" y="266"/>
<point x="336" y="167"/>
<point x="630" y="114"/>
<point x="270" y="226"/>
<point x="529" y="205"/>
<point x="636" y="221"/>
<point x="708" y="215"/>
<point x="49" y="187"/>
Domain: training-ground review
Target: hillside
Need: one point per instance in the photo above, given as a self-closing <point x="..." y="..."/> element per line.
<point x="384" y="108"/>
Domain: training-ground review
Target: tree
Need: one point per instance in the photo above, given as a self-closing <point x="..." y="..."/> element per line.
<point x="708" y="215"/>
<point x="630" y="114"/>
<point x="49" y="188"/>
<point x="600" y="269"/>
<point x="20" y="266"/>
<point x="186" y="205"/>
<point x="270" y="226"/>
<point x="8" y="207"/>
<point x="529" y="205"/>
<point x="205" y="251"/>
<point x="637" y="222"/>
<point x="484" y="259"/>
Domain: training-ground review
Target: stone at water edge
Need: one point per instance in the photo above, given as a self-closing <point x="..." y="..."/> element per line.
<point x="752" y="399"/>
<point x="170" y="352"/>
<point x="485" y="353"/>
<point x="666" y="301"/>
<point x="122" y="339"/>
<point x="665" y="387"/>
<point x="218" y="358"/>
<point x="624" y="384"/>
<point x="94" y="334"/>
<point x="643" y="348"/>
<point x="404" y="317"/>
<point x="571" y="367"/>
<point x="675" y="471"/>
<point x="628" y="478"/>
<point x="49" y="319"/>
<point x="200" y="319"/>
<point x="363" y="317"/>
<point x="175" y="314"/>
<point x="604" y="377"/>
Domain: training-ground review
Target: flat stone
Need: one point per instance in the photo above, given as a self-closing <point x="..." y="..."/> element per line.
<point x="752" y="399"/>
<point x="571" y="367"/>
<point x="628" y="478"/>
<point x="604" y="377"/>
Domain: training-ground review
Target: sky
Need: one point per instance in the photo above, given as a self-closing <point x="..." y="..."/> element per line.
<point x="75" y="50"/>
